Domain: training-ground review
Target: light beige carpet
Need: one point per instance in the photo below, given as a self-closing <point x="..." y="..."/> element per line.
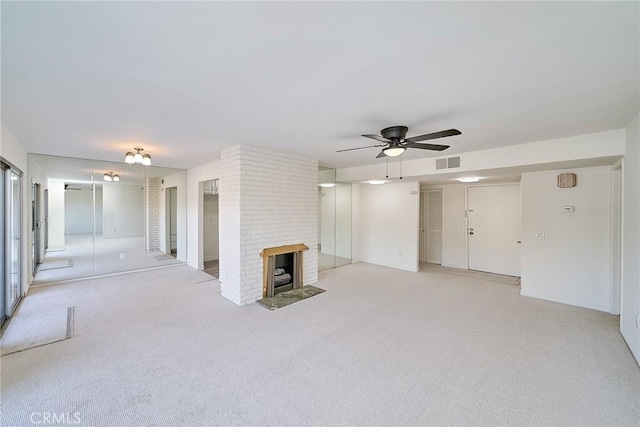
<point x="380" y="347"/>
<point x="34" y="328"/>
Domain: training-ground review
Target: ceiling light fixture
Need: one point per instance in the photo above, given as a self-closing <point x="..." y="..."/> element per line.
<point x="110" y="176"/>
<point x="394" y="150"/>
<point x="377" y="182"/>
<point x="469" y="179"/>
<point x="327" y="184"/>
<point x="137" y="157"/>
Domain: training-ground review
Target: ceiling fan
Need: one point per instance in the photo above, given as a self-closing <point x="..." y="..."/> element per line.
<point x="395" y="142"/>
<point x="68" y="187"/>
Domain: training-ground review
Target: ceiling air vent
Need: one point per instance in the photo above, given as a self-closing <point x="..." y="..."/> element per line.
<point x="448" y="163"/>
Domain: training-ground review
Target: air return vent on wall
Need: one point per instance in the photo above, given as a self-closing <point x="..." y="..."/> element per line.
<point x="448" y="163"/>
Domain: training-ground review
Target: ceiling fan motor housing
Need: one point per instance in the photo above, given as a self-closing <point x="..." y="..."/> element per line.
<point x="397" y="133"/>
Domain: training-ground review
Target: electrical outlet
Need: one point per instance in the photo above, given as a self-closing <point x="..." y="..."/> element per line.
<point x="122" y="255"/>
<point x="538" y="235"/>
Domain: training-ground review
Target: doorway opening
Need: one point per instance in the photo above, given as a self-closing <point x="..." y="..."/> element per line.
<point x="430" y="249"/>
<point x="211" y="228"/>
<point x="171" y="206"/>
<point x="36" y="227"/>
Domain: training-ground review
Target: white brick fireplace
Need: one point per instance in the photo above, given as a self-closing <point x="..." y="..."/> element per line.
<point x="267" y="199"/>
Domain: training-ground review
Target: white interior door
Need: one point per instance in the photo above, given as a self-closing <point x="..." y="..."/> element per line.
<point x="434" y="226"/>
<point x="494" y="225"/>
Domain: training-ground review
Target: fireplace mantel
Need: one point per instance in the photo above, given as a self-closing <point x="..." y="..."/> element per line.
<point x="279" y="250"/>
<point x="269" y="263"/>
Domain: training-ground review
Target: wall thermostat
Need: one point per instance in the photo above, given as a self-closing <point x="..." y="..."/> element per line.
<point x="567" y="180"/>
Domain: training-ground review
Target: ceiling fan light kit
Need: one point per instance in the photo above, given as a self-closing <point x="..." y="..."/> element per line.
<point x="394" y="151"/>
<point x="395" y="142"/>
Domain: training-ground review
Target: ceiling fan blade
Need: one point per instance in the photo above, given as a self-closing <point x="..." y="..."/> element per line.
<point x="441" y="134"/>
<point x="435" y="147"/>
<point x="360" y="148"/>
<point x="376" y="137"/>
<point x="381" y="155"/>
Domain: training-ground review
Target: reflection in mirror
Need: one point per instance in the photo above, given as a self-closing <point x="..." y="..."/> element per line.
<point x="334" y="202"/>
<point x="66" y="212"/>
<point x="210" y="228"/>
<point x="119" y="214"/>
<point x="165" y="216"/>
<point x="93" y="223"/>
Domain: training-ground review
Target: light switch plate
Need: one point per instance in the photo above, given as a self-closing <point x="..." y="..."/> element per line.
<point x="538" y="235"/>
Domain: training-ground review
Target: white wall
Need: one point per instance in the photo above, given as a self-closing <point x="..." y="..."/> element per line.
<point x="572" y="264"/>
<point x="210" y="228"/>
<point x="78" y="214"/>
<point x="178" y="180"/>
<point x="389" y="224"/>
<point x="123" y="210"/>
<point x="267" y="199"/>
<point x="195" y="177"/>
<point x="56" y="213"/>
<point x="631" y="239"/>
<point x="591" y="146"/>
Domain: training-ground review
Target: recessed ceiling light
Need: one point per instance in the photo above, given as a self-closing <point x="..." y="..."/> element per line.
<point x="327" y="184"/>
<point x="376" y="182"/>
<point x="469" y="179"/>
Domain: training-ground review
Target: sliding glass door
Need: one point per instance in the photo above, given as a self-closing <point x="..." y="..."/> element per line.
<point x="11" y="249"/>
<point x="15" y="252"/>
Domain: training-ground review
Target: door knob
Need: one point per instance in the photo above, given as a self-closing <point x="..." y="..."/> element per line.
<point x="471" y="233"/>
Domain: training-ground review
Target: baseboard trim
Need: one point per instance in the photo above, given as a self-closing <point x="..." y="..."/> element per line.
<point x="631" y="344"/>
<point x="415" y="269"/>
<point x="100" y="276"/>
<point x="463" y="267"/>
<point x="526" y="293"/>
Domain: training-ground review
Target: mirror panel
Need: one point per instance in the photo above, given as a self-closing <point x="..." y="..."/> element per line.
<point x="92" y="226"/>
<point x="67" y="221"/>
<point x="334" y="202"/>
<point x="119" y="214"/>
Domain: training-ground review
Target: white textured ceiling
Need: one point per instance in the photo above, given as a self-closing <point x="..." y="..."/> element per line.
<point x="187" y="79"/>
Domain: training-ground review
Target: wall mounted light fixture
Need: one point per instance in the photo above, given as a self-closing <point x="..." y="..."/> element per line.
<point x="137" y="157"/>
<point x="110" y="176"/>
